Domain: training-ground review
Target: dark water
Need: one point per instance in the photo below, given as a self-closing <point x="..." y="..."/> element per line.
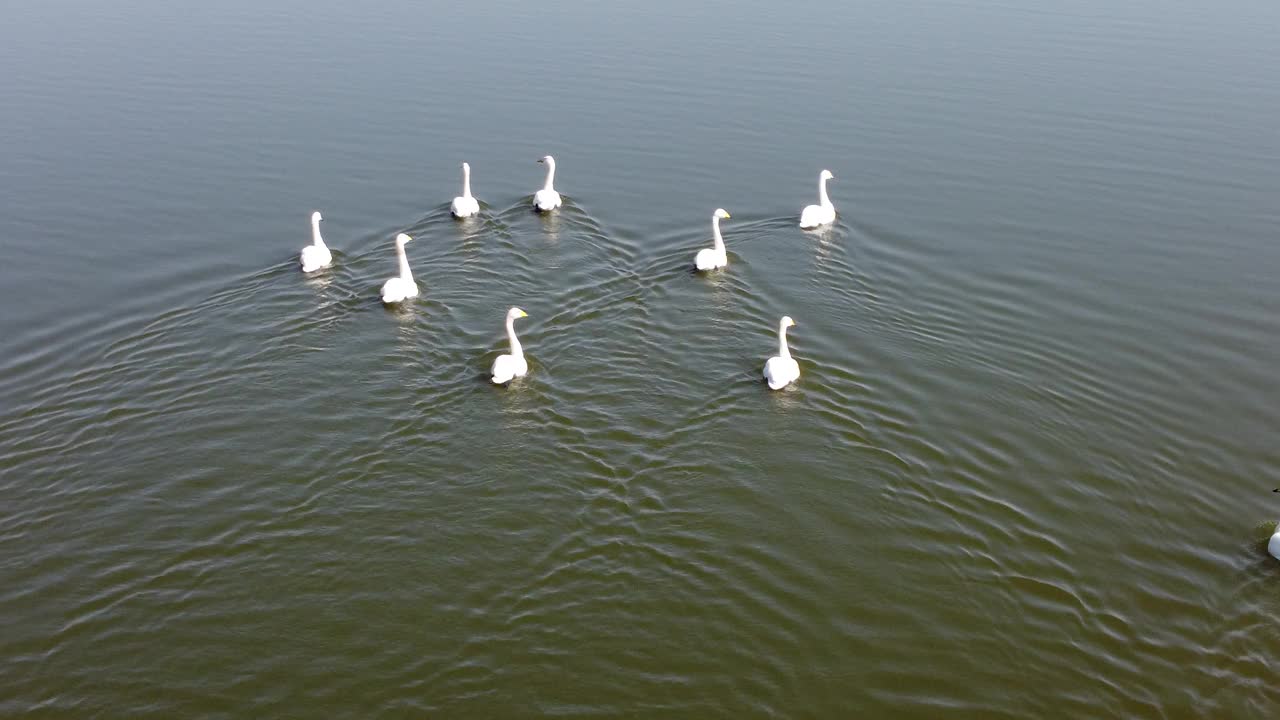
<point x="1024" y="474"/>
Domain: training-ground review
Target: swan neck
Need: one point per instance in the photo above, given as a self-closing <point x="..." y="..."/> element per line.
<point x="551" y="176"/>
<point x="516" y="350"/>
<point x="466" y="182"/>
<point x="822" y="193"/>
<point x="315" y="234"/>
<point x="782" y="342"/>
<point x="405" y="274"/>
<point x="715" y="234"/>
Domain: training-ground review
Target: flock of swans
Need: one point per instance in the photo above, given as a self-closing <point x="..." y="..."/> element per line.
<point x="780" y="370"/>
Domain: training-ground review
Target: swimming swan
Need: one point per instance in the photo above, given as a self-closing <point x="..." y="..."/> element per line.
<point x="824" y="212"/>
<point x="1273" y="546"/>
<point x="547" y="198"/>
<point x="506" y="367"/>
<point x="464" y="205"/>
<point x="781" y="370"/>
<point x="401" y="287"/>
<point x="316" y="255"/>
<point x="714" y="256"/>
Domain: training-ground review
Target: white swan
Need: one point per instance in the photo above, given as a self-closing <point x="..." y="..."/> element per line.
<point x="547" y="198"/>
<point x="401" y="287"/>
<point x="316" y="255"/>
<point x="506" y="367"/>
<point x="781" y="370"/>
<point x="714" y="256"/>
<point x="1273" y="546"/>
<point x="464" y="205"/>
<point x="824" y="212"/>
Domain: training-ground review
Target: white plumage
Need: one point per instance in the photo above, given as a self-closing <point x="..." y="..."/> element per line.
<point x="714" y="256"/>
<point x="824" y="212"/>
<point x="402" y="287"/>
<point x="781" y="370"/>
<point x="547" y="198"/>
<point x="464" y="205"/>
<point x="513" y="365"/>
<point x="316" y="255"/>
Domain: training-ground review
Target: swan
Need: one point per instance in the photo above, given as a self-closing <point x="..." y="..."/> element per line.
<point x="824" y="212"/>
<point x="547" y="198"/>
<point x="1273" y="546"/>
<point x="714" y="256"/>
<point x="464" y="205"/>
<point x="401" y="287"/>
<point x="316" y="255"/>
<point x="781" y="370"/>
<point x="506" y="367"/>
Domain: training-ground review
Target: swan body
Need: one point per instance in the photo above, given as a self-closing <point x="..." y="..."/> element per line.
<point x="464" y="205"/>
<point x="316" y="255"/>
<point x="781" y="370"/>
<point x="1273" y="546"/>
<point x="714" y="256"/>
<point x="824" y="212"/>
<point x="547" y="198"/>
<point x="401" y="287"/>
<point x="508" y="367"/>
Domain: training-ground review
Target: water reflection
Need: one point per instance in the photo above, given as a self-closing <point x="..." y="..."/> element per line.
<point x="551" y="222"/>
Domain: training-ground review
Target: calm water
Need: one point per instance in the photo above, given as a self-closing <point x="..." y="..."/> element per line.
<point x="1024" y="474"/>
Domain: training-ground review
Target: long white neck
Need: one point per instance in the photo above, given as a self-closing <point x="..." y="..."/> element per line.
<point x="715" y="235"/>
<point x="551" y="175"/>
<point x="782" y="342"/>
<point x="822" y="192"/>
<point x="315" y="234"/>
<point x="466" y="181"/>
<point x="511" y="336"/>
<point x="405" y="274"/>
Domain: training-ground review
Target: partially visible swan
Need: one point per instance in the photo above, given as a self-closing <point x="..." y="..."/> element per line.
<point x="824" y="212"/>
<point x="547" y="198"/>
<point x="316" y="255"/>
<point x="714" y="256"/>
<point x="401" y="287"/>
<point x="1273" y="546"/>
<point x="464" y="205"/>
<point x="506" y="367"/>
<point x="781" y="370"/>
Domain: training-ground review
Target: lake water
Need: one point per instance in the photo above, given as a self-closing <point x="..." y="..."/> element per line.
<point x="1026" y="471"/>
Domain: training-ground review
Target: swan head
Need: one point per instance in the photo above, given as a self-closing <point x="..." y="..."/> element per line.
<point x="516" y="312"/>
<point x="721" y="214"/>
<point x="826" y="175"/>
<point x="547" y="160"/>
<point x="787" y="321"/>
<point x="315" y="217"/>
<point x="401" y="239"/>
<point x="466" y="167"/>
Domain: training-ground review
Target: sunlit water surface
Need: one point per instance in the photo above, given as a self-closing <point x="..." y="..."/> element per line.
<point x="1025" y="473"/>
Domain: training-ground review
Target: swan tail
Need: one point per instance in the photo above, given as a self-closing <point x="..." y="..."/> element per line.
<point x="503" y="370"/>
<point x="704" y="260"/>
<point x="312" y="259"/>
<point x="545" y="201"/>
<point x="461" y="208"/>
